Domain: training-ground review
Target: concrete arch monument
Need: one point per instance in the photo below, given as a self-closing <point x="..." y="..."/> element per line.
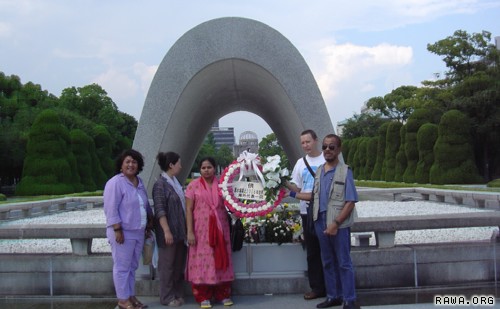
<point x="223" y="66"/>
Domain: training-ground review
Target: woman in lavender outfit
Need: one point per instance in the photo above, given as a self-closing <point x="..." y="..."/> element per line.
<point x="129" y="218"/>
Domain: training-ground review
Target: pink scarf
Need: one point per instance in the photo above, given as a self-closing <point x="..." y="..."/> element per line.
<point x="215" y="234"/>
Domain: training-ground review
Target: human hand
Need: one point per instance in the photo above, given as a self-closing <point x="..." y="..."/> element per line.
<point x="120" y="239"/>
<point x="191" y="239"/>
<point x="169" y="238"/>
<point x="331" y="229"/>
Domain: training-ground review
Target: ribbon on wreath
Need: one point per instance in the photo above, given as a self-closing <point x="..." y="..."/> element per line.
<point x="248" y="162"/>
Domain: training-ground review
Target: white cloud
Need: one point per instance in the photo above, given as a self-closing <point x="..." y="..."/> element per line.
<point x="145" y="74"/>
<point x="5" y="30"/>
<point x="344" y="62"/>
<point x="118" y="85"/>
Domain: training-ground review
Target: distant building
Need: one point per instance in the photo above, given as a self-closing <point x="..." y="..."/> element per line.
<point x="364" y="110"/>
<point x="223" y="136"/>
<point x="248" y="141"/>
<point x="340" y="127"/>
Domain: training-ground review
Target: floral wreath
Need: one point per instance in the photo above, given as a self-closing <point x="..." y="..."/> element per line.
<point x="272" y="175"/>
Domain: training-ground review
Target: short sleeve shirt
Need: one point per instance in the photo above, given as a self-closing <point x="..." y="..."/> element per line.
<point x="303" y="178"/>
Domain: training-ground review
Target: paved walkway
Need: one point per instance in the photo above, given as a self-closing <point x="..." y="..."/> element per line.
<point x="372" y="300"/>
<point x="293" y="301"/>
<point x="271" y="302"/>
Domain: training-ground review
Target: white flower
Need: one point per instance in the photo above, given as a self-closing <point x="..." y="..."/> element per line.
<point x="273" y="176"/>
<point x="272" y="163"/>
<point x="271" y="184"/>
<point x="284" y="172"/>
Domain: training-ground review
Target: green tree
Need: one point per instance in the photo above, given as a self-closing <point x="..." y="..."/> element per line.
<point x="365" y="124"/>
<point x="397" y="105"/>
<point x="346" y="148"/>
<point x="49" y="166"/>
<point x="353" y="147"/>
<point x="224" y="156"/>
<point x="19" y="106"/>
<point x="360" y="158"/>
<point x="270" y="146"/>
<point x="102" y="141"/>
<point x="93" y="103"/>
<point x="463" y="53"/>
<point x="356" y="157"/>
<point x="371" y="158"/>
<point x="380" y="154"/>
<point x="392" y="142"/>
<point x="81" y="147"/>
<point x="401" y="162"/>
<point x="472" y="85"/>
<point x="426" y="138"/>
<point x="416" y="120"/>
<point x="453" y="153"/>
<point x="478" y="96"/>
<point x="207" y="149"/>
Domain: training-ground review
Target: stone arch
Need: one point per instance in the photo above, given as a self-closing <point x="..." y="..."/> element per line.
<point x="223" y="66"/>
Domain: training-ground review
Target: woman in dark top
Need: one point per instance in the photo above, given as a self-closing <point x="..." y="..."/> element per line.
<point x="170" y="227"/>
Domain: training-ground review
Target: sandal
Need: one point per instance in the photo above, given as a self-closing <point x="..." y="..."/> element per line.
<point x="129" y="305"/>
<point x="175" y="303"/>
<point x="136" y="303"/>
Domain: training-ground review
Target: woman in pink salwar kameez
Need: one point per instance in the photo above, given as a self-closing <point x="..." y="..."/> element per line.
<point x="209" y="266"/>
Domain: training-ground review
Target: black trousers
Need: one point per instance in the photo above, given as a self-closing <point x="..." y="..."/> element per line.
<point x="314" y="263"/>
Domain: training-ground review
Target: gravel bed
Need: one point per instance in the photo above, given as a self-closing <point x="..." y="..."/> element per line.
<point x="364" y="208"/>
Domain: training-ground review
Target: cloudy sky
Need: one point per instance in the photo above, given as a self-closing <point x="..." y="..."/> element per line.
<point x="355" y="49"/>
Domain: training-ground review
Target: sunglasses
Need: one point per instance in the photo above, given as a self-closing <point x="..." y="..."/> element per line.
<point x="331" y="147"/>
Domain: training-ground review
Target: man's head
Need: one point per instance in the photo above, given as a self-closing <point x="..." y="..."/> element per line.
<point x="309" y="142"/>
<point x="331" y="147"/>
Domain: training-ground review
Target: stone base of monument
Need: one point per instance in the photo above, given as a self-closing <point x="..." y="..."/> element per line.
<point x="263" y="269"/>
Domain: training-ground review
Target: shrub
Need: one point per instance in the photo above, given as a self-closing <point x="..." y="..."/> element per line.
<point x="381" y="136"/>
<point x="360" y="158"/>
<point x="392" y="141"/>
<point x="453" y="152"/>
<point x="103" y="146"/>
<point x="346" y="147"/>
<point x="370" y="158"/>
<point x="415" y="121"/>
<point x="353" y="147"/>
<point x="426" y="138"/>
<point x="494" y="183"/>
<point x="401" y="156"/>
<point x="49" y="165"/>
<point x="3" y="197"/>
<point x="80" y="146"/>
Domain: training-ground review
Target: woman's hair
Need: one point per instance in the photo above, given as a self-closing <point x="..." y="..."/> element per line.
<point x="209" y="159"/>
<point x="165" y="158"/>
<point x="136" y="155"/>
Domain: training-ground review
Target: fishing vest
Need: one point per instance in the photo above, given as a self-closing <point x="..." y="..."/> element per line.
<point x="336" y="196"/>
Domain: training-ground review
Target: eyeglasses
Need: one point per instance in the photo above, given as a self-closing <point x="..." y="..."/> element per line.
<point x="331" y="147"/>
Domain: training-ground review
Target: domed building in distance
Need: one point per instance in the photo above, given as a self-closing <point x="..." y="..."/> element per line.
<point x="248" y="141"/>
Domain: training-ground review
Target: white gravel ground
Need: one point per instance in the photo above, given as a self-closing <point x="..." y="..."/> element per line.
<point x="364" y="208"/>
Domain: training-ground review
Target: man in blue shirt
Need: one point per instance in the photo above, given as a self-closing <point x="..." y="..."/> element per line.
<point x="334" y="197"/>
<point x="334" y="200"/>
